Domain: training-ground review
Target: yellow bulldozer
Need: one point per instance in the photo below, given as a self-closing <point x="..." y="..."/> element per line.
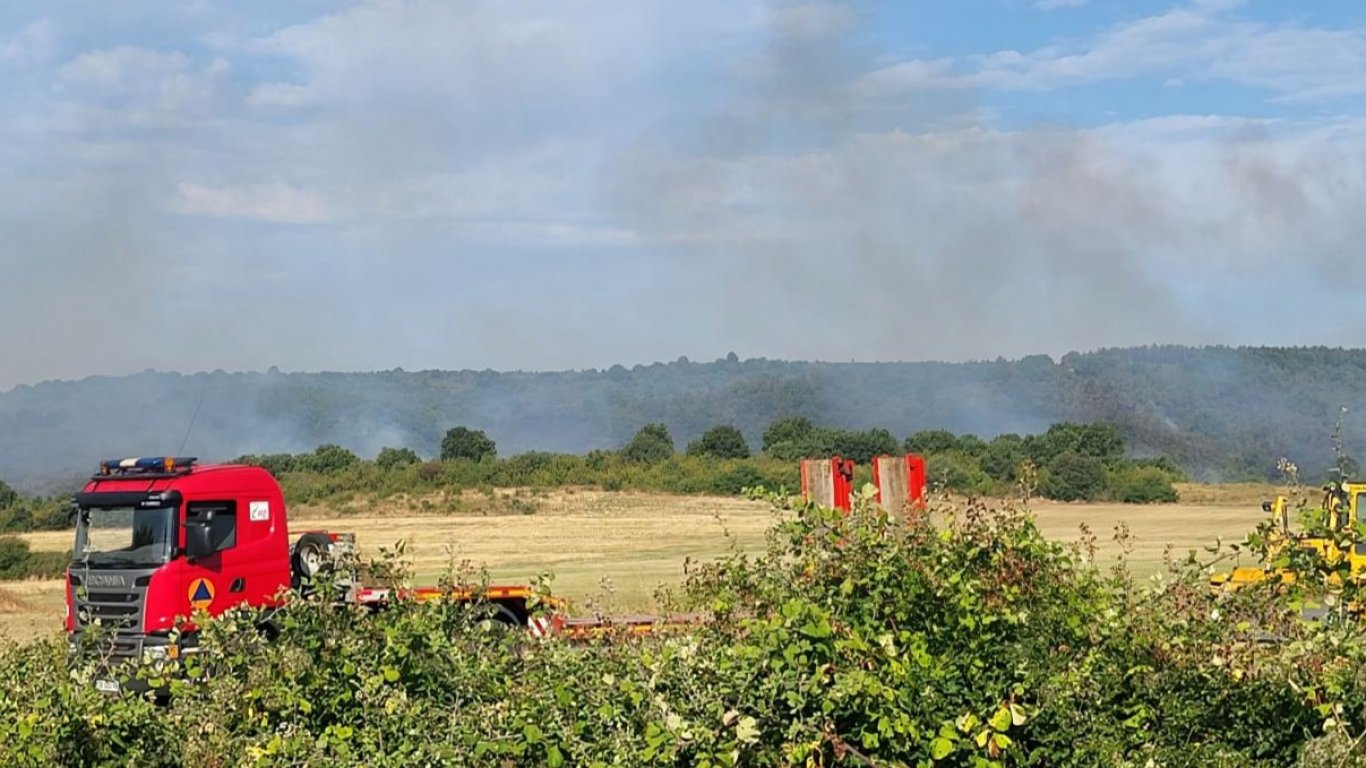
<point x="1332" y="535"/>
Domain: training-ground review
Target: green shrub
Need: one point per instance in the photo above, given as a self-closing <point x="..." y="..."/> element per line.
<point x="328" y="459"/>
<point x="651" y="445"/>
<point x="956" y="470"/>
<point x="1143" y="485"/>
<point x="738" y="479"/>
<point x="393" y="458"/>
<point x="1073" y="477"/>
<point x="722" y="442"/>
<point x="17" y="561"/>
<point x="466" y="443"/>
<point x="851" y="639"/>
<point x="14" y="553"/>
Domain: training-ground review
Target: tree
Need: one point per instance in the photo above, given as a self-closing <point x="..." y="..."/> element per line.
<point x="1073" y="477"/>
<point x="791" y="430"/>
<point x="722" y="441"/>
<point x="466" y="443"/>
<point x="1003" y="456"/>
<point x="1100" y="441"/>
<point x="393" y="458"/>
<point x="929" y="441"/>
<point x="860" y="446"/>
<point x="651" y="445"/>
<point x="8" y="496"/>
<point x="329" y="459"/>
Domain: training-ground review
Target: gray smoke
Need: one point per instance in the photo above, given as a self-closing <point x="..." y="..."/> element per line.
<point x="522" y="185"/>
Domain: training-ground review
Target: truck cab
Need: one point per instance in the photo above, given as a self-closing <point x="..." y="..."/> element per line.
<point x="158" y="539"/>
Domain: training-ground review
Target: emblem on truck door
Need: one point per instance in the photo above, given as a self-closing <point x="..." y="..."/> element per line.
<point x="260" y="510"/>
<point x="201" y="594"/>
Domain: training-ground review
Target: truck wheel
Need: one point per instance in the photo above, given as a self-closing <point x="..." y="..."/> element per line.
<point x="312" y="555"/>
<point x="499" y="618"/>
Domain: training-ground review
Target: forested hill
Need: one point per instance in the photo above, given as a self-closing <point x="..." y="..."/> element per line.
<point x="1221" y="412"/>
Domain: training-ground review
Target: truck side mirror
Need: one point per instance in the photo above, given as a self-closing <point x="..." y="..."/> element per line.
<point x="199" y="536"/>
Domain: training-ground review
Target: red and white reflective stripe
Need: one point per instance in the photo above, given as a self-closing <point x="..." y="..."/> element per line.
<point x="538" y="626"/>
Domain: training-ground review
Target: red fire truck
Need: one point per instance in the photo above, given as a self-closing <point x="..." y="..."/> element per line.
<point x="158" y="539"/>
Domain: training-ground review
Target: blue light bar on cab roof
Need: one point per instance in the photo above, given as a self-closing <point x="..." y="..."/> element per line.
<point x="139" y="465"/>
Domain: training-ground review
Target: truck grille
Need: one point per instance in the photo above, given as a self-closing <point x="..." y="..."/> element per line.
<point x="119" y="612"/>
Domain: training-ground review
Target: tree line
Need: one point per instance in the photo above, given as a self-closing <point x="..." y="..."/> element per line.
<point x="1222" y="414"/>
<point x="1068" y="462"/>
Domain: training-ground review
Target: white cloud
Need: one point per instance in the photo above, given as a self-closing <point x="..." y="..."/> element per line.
<point x="122" y="67"/>
<point x="145" y="86"/>
<point x="271" y="202"/>
<point x="34" y="43"/>
<point x="1186" y="44"/>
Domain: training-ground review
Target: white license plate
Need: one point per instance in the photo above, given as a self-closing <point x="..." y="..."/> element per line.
<point x="107" y="686"/>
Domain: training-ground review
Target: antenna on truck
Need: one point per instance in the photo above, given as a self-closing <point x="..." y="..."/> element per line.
<point x="193" y="419"/>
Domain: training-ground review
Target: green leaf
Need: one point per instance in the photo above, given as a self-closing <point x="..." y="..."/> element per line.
<point x="940" y="748"/>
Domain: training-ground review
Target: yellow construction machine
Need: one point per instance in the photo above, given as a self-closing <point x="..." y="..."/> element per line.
<point x="1331" y="534"/>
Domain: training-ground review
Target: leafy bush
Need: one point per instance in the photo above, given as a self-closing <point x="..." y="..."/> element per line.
<point x="651" y="445"/>
<point x="1143" y="485"/>
<point x="851" y="640"/>
<point x="392" y="458"/>
<point x="13" y="553"/>
<point x="793" y="430"/>
<point x="737" y="480"/>
<point x="328" y="459"/>
<point x="796" y="438"/>
<point x="1073" y="477"/>
<point x="932" y="441"/>
<point x="722" y="442"/>
<point x="958" y="471"/>
<point x="18" y="562"/>
<point x="35" y="514"/>
<point x="8" y="496"/>
<point x="466" y="443"/>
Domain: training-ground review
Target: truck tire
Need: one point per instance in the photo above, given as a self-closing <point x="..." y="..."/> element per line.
<point x="501" y="626"/>
<point x="312" y="556"/>
<point x="499" y="617"/>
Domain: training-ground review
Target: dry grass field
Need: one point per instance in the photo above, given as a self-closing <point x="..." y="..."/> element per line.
<point x="615" y="549"/>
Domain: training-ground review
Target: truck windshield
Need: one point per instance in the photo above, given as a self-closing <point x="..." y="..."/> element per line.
<point x="124" y="536"/>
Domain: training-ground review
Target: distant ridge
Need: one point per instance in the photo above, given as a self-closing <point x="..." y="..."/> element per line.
<point x="1223" y="412"/>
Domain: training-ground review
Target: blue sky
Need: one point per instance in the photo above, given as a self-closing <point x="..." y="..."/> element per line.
<point x="537" y="185"/>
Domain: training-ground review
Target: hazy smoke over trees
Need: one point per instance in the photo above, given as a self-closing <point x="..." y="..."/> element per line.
<point x="522" y="185"/>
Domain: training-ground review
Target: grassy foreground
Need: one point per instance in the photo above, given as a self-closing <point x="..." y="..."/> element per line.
<point x="612" y="550"/>
<point x="961" y="638"/>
